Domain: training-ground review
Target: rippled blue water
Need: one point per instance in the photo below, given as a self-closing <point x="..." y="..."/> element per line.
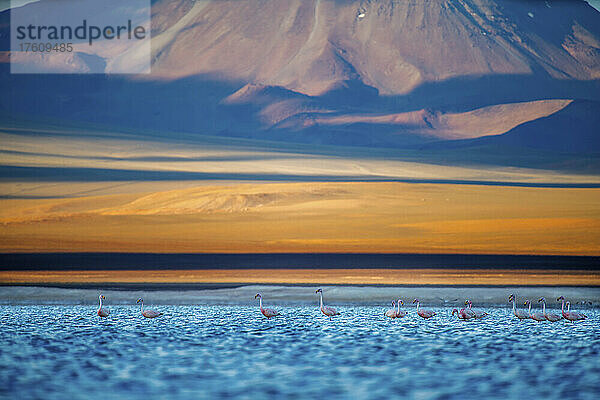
<point x="222" y="351"/>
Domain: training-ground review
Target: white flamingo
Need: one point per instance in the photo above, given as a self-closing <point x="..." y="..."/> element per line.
<point x="426" y="314"/>
<point x="400" y="314"/>
<point x="570" y="315"/>
<point x="521" y="314"/>
<point x="549" y="316"/>
<point x="102" y="312"/>
<point x="535" y="316"/>
<point x="391" y="313"/>
<point x="476" y="314"/>
<point x="267" y="312"/>
<point x="467" y="309"/>
<point x="328" y="311"/>
<point x="148" y="313"/>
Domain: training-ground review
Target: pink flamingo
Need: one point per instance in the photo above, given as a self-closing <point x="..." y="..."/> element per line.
<point x="391" y="313"/>
<point x="549" y="316"/>
<point x="518" y="313"/>
<point x="148" y="313"/>
<point x="535" y="316"/>
<point x="465" y="314"/>
<point x="328" y="311"/>
<point x="426" y="314"/>
<point x="476" y="314"/>
<point x="400" y="314"/>
<point x="267" y="312"/>
<point x="462" y="314"/>
<point x="570" y="315"/>
<point x="102" y="312"/>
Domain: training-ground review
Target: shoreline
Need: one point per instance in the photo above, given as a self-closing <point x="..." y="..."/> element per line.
<point x="183" y="287"/>
<point x="286" y="295"/>
<point x="310" y="277"/>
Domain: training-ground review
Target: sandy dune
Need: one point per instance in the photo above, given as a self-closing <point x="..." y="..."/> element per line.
<point x="307" y="217"/>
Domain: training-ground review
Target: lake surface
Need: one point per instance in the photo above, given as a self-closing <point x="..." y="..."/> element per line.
<point x="58" y="352"/>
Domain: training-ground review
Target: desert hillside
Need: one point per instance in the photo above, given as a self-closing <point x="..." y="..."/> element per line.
<point x="311" y="217"/>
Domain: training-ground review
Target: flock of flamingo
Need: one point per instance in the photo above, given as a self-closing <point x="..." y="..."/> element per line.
<point x="103" y="312"/>
<point x="465" y="314"/>
<point x="544" y="316"/>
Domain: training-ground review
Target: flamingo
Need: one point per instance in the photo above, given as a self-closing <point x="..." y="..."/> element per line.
<point x="568" y="303"/>
<point x="570" y="315"/>
<point x="102" y="312"/>
<point x="426" y="314"/>
<point x="400" y="314"/>
<point x="518" y="313"/>
<point x="549" y="316"/>
<point x="476" y="314"/>
<point x="535" y="316"/>
<point x="468" y="310"/>
<point x="267" y="312"/>
<point x="148" y="313"/>
<point x="462" y="314"/>
<point x="391" y="313"/>
<point x="328" y="311"/>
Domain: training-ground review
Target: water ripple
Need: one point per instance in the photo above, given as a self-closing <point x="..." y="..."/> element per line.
<point x="227" y="351"/>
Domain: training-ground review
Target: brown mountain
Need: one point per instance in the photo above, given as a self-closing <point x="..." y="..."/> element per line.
<point x="358" y="73"/>
<point x="393" y="46"/>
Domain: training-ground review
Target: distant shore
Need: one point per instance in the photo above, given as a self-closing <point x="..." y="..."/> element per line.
<point x="356" y="276"/>
<point x="297" y="295"/>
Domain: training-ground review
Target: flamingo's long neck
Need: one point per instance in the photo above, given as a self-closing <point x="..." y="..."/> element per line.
<point x="142" y="309"/>
<point x="100" y="306"/>
<point x="529" y="309"/>
<point x="398" y="312"/>
<point x="418" y="306"/>
<point x="260" y="302"/>
<point x="544" y="307"/>
<point x="562" y="309"/>
<point x="321" y="297"/>
<point x="514" y="307"/>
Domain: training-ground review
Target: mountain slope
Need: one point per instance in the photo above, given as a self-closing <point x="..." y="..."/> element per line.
<point x="313" y="46"/>
<point x="574" y="129"/>
<point x="346" y="73"/>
